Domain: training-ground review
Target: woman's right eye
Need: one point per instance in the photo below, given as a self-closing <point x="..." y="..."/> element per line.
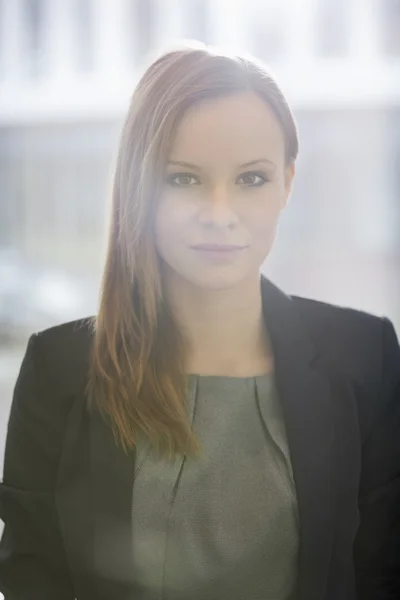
<point x="182" y="179"/>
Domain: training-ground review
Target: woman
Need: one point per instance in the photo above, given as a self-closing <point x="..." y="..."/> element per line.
<point x="206" y="435"/>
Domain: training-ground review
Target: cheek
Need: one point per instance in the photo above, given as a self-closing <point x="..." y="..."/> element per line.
<point x="262" y="216"/>
<point x="261" y="224"/>
<point x="171" y="218"/>
<point x="262" y="234"/>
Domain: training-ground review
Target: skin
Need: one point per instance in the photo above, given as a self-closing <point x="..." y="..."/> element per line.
<point x="218" y="304"/>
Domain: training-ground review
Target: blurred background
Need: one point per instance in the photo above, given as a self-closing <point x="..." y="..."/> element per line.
<point x="67" y="71"/>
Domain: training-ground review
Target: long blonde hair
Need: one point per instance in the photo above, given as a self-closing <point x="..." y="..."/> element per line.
<point x="137" y="378"/>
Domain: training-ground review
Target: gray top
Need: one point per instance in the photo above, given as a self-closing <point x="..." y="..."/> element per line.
<point x="225" y="525"/>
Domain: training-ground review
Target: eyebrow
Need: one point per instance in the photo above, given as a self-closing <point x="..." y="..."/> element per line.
<point x="182" y="163"/>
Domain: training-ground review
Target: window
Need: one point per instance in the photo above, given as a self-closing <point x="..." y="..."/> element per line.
<point x="390" y="27"/>
<point x="3" y="49"/>
<point x="197" y="25"/>
<point x="83" y="21"/>
<point x="333" y="28"/>
<point x="34" y="31"/>
<point x="267" y="32"/>
<point x="143" y="17"/>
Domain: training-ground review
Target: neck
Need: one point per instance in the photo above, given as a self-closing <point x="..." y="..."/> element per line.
<point x="224" y="328"/>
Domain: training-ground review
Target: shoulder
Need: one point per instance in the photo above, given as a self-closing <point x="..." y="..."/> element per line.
<point x="365" y="343"/>
<point x="74" y="334"/>
<point x="336" y="323"/>
<point x="332" y="328"/>
<point x="50" y="383"/>
<point x="55" y="364"/>
<point x="63" y="351"/>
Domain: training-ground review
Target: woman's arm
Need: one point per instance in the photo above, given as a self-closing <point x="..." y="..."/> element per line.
<point x="33" y="563"/>
<point x="377" y="545"/>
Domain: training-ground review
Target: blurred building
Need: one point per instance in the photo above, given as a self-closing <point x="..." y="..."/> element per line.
<point x="67" y="71"/>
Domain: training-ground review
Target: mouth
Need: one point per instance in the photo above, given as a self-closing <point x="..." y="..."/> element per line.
<point x="218" y="247"/>
<point x="218" y="253"/>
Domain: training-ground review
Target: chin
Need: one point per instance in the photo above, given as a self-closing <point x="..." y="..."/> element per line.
<point x="217" y="280"/>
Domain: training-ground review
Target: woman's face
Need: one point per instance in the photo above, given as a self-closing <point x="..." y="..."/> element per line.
<point x="225" y="184"/>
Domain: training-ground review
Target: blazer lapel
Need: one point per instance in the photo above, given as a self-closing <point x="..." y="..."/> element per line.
<point x="306" y="400"/>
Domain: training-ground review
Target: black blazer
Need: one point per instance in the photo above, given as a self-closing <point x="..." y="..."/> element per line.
<point x="67" y="489"/>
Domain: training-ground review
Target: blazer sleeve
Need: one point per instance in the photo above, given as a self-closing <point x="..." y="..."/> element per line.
<point x="377" y="545"/>
<point x="33" y="563"/>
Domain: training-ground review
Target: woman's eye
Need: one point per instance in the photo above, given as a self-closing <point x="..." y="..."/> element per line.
<point x="183" y="179"/>
<point x="252" y="179"/>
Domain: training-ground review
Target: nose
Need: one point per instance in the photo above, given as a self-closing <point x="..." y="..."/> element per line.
<point x="217" y="209"/>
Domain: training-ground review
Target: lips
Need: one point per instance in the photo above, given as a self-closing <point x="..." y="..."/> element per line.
<point x="217" y="247"/>
<point x="216" y="253"/>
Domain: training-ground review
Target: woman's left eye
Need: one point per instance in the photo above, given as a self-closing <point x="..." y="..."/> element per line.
<point x="252" y="179"/>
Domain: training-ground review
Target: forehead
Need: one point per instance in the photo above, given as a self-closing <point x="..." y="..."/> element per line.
<point x="233" y="129"/>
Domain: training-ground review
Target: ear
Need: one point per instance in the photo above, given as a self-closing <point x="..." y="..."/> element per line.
<point x="289" y="176"/>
